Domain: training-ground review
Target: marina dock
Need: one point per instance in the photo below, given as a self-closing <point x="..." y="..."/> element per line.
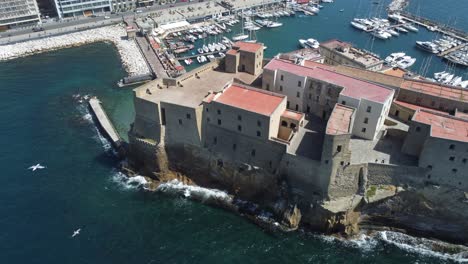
<point x="104" y="122"/>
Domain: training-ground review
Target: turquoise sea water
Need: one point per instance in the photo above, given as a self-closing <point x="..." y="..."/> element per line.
<point x="40" y="122"/>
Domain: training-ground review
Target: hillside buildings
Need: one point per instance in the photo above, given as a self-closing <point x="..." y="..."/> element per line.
<point x="18" y="12"/>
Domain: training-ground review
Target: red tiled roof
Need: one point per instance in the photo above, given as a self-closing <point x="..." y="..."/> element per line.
<point x="340" y="120"/>
<point x="231" y="52"/>
<point x="352" y="87"/>
<point x="247" y="46"/>
<point x="292" y="115"/>
<point x="436" y="90"/>
<point x="312" y="64"/>
<point x="256" y="101"/>
<point x="416" y="107"/>
<point x="443" y="126"/>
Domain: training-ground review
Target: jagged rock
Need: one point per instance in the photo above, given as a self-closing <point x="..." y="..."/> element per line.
<point x="292" y="217"/>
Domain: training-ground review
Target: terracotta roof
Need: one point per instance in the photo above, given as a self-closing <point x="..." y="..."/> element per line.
<point x="293" y="115"/>
<point x="247" y="46"/>
<point x="436" y="90"/>
<point x="253" y="100"/>
<point x="312" y="64"/>
<point x="416" y="107"/>
<point x="443" y="126"/>
<point x="231" y="52"/>
<point x="340" y="120"/>
<point x="397" y="72"/>
<point x="352" y="87"/>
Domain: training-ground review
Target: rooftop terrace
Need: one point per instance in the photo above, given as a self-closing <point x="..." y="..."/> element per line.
<point x="347" y="50"/>
<point x="191" y="88"/>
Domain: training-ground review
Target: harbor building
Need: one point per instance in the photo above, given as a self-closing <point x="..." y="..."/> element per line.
<point x="337" y="52"/>
<point x="316" y="90"/>
<point x="15" y="13"/>
<point x="245" y="57"/>
<point x="72" y="8"/>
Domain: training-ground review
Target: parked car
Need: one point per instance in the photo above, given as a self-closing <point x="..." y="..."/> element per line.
<point x="37" y="29"/>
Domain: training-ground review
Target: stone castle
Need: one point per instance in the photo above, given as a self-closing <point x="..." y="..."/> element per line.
<point x="326" y="132"/>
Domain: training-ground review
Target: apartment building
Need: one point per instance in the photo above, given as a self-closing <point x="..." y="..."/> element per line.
<point x="71" y="8"/>
<point x="15" y="13"/>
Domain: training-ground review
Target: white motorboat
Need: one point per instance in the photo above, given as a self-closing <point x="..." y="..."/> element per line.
<point x="442" y="76"/>
<point x="205" y="48"/>
<point x="380" y="34"/>
<point x="427" y="46"/>
<point x="405" y="62"/>
<point x="222" y="55"/>
<point x="392" y="32"/>
<point x="437" y="75"/>
<point x="302" y="42"/>
<point x="312" y="43"/>
<point x="447" y="79"/>
<point x="456" y="81"/>
<point x="410" y="27"/>
<point x="402" y="29"/>
<point x="188" y="61"/>
<point x="211" y="57"/>
<point x="200" y="50"/>
<point x="273" y="24"/>
<point x="392" y="57"/>
<point x="199" y="59"/>
<point x="240" y="37"/>
<point x="464" y="84"/>
<point x="358" y="25"/>
<point x="396" y="17"/>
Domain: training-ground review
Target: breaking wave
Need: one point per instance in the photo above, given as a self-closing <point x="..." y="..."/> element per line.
<point x="424" y="246"/>
<point x="194" y="192"/>
<point x="128" y="183"/>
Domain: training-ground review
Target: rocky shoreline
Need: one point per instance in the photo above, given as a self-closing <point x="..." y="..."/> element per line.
<point x="131" y="57"/>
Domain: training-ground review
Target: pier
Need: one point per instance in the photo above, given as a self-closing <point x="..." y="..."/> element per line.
<point x="445" y="52"/>
<point x="104" y="123"/>
<point x="446" y="30"/>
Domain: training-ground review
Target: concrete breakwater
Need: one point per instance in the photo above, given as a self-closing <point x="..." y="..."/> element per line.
<point x="131" y="57"/>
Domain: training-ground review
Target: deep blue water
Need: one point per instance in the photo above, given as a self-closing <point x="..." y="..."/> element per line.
<point x="40" y="122"/>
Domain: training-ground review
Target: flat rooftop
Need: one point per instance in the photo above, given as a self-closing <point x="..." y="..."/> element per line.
<point x="353" y="87"/>
<point x="293" y="115"/>
<point x="191" y="90"/>
<point x="443" y="126"/>
<point x="346" y="49"/>
<point x="247" y="46"/>
<point x="304" y="54"/>
<point x="416" y="107"/>
<point x="340" y="119"/>
<point x="436" y="89"/>
<point x="250" y="99"/>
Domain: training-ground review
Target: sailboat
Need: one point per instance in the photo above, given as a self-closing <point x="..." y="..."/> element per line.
<point x="241" y="35"/>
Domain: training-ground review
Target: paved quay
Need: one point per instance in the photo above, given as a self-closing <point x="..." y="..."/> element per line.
<point x="104" y="122"/>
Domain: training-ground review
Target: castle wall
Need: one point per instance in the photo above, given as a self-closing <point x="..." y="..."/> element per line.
<point x="147" y="119"/>
<point x="182" y="124"/>
<point x="414" y="141"/>
<point x="432" y="101"/>
<point x="447" y="162"/>
<point x="231" y="62"/>
<point x="386" y="174"/>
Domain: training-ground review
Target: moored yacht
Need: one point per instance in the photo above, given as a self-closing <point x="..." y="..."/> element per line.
<point x="410" y="27"/>
<point x="392" y="57"/>
<point x="427" y="46"/>
<point x="358" y="25"/>
<point x="405" y="62"/>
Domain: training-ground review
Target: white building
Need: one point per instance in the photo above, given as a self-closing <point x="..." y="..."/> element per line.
<point x="17" y="12"/>
<point x="71" y="8"/>
<point x="316" y="89"/>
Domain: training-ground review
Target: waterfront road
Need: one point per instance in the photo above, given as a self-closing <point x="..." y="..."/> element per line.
<point x="64" y="26"/>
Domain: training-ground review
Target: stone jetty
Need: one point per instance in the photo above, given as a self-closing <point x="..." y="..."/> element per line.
<point x="130" y="55"/>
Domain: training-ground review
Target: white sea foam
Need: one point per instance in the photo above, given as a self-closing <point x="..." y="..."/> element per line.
<point x="128" y="183"/>
<point x="417" y="245"/>
<point x="196" y="192"/>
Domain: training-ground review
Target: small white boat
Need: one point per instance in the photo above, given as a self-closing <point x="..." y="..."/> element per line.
<point x="392" y="57"/>
<point x="188" y="61"/>
<point x="240" y="37"/>
<point x="402" y="29"/>
<point x="199" y="59"/>
<point x="273" y="24"/>
<point x="438" y="75"/>
<point x="222" y="55"/>
<point x="205" y="48"/>
<point x="358" y="25"/>
<point x="464" y="84"/>
<point x="447" y="79"/>
<point x="200" y="50"/>
<point x="410" y="27"/>
<point x="456" y="81"/>
<point x="380" y="34"/>
<point x="392" y="32"/>
<point x="211" y="57"/>
<point x="405" y="62"/>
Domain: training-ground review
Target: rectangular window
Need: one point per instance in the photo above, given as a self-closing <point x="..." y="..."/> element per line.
<point x="189" y="116"/>
<point x="259" y="123"/>
<point x="259" y="134"/>
<point x="281" y="88"/>
<point x="253" y="153"/>
<point x="452" y="146"/>
<point x="207" y="109"/>
<point x="268" y="86"/>
<point x="366" y="120"/>
<point x="343" y="102"/>
<point x="234" y="147"/>
<point x="363" y="130"/>
<point x="429" y="167"/>
<point x="287" y="104"/>
<point x="215" y="140"/>
<point x="163" y="116"/>
<point x="219" y="121"/>
<point x="208" y="119"/>
<point x="180" y="121"/>
<point x="452" y="158"/>
<point x="464" y="160"/>
<point x="219" y="112"/>
<point x="418" y="129"/>
<point x="369" y="109"/>
<point x="239" y="117"/>
<point x="338" y="148"/>
<point x="239" y="128"/>
<point x="299" y="83"/>
<point x="298" y="94"/>
<point x="282" y="77"/>
<point x="317" y="98"/>
<point x="297" y="107"/>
